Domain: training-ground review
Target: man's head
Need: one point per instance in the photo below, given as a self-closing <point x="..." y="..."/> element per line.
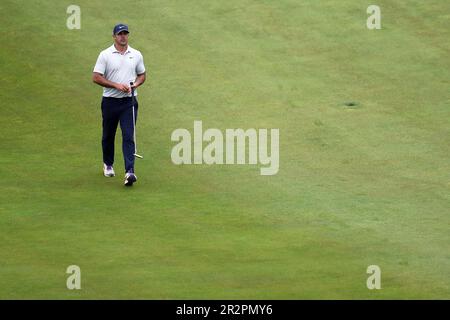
<point x="120" y="34"/>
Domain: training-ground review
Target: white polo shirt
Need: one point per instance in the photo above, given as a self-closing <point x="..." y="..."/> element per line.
<point x="120" y="68"/>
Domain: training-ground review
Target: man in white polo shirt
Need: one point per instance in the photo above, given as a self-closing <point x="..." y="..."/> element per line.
<point x="116" y="67"/>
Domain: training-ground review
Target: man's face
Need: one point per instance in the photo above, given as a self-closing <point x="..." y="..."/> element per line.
<point x="121" y="38"/>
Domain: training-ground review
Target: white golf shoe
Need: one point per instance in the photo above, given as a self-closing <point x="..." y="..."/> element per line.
<point x="108" y="171"/>
<point x="130" y="178"/>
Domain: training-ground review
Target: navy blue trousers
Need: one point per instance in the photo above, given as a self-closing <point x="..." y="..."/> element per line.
<point x="115" y="111"/>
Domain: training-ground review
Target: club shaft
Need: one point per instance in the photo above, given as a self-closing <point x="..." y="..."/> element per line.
<point x="134" y="122"/>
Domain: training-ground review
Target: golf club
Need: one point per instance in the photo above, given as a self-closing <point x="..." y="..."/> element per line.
<point x="134" y="123"/>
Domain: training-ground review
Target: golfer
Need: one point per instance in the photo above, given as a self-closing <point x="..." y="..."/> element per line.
<point x="116" y="67"/>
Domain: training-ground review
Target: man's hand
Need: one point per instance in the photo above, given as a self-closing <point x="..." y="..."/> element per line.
<point x="123" y="87"/>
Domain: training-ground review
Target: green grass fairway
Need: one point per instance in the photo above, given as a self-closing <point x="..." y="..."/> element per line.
<point x="358" y="185"/>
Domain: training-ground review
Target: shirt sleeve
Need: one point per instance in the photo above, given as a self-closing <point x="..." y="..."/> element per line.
<point x="100" y="65"/>
<point x="140" y="68"/>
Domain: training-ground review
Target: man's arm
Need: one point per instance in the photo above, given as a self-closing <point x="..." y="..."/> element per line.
<point x="99" y="79"/>
<point x="140" y="79"/>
